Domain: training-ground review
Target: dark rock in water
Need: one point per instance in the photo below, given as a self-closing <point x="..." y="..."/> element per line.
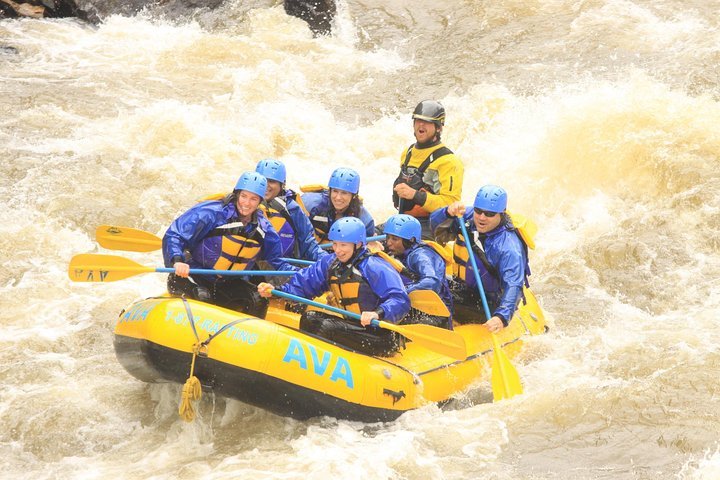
<point x="41" y="9"/>
<point x="318" y="14"/>
<point x="8" y="50"/>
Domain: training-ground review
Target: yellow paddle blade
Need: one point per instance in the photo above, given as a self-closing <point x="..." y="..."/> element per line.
<point x="428" y="301"/>
<point x="505" y="379"/>
<point x="126" y="238"/>
<point x="89" y="267"/>
<point x="437" y="339"/>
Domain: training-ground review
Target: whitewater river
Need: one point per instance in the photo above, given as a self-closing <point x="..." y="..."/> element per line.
<point x="600" y="117"/>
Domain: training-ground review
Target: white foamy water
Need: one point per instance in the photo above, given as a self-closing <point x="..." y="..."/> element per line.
<point x="600" y="118"/>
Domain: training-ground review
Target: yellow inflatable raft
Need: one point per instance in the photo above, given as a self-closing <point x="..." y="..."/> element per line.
<point x="273" y="365"/>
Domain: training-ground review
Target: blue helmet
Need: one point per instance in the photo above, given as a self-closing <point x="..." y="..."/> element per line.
<point x="403" y="226"/>
<point x="491" y="198"/>
<point x="253" y="182"/>
<point x="345" y="179"/>
<point x="272" y="169"/>
<point x="348" y="229"/>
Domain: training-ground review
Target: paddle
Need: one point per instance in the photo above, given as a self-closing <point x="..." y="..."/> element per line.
<point x="126" y="238"/>
<point x="437" y="339"/>
<point x="369" y="239"/>
<point x="504" y="377"/>
<point x="428" y="301"/>
<point x="89" y="267"/>
<point x="297" y="261"/>
<point x="133" y="240"/>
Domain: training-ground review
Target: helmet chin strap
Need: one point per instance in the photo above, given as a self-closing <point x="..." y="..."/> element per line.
<point x="355" y="252"/>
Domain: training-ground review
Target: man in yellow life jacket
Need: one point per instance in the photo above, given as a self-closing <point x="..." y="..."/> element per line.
<point x="361" y="282"/>
<point x="431" y="176"/>
<point x="501" y="256"/>
<point x="424" y="265"/>
<point x="226" y="234"/>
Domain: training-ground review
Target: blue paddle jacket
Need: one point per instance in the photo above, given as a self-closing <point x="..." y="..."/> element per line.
<point x="293" y="226"/>
<point x="426" y="271"/>
<point x="322" y="214"/>
<point x="504" y="250"/>
<point x="380" y="287"/>
<point x="208" y="227"/>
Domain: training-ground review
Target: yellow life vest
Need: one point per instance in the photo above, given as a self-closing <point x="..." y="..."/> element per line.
<point x="394" y="262"/>
<point x="345" y="286"/>
<point x="313" y="188"/>
<point x="211" y="197"/>
<point x="238" y="248"/>
<point x="460" y="258"/>
<point x="525" y="227"/>
<point x="442" y="251"/>
<point x="274" y="216"/>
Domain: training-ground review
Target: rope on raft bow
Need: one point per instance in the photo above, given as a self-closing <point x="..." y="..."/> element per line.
<point x="192" y="390"/>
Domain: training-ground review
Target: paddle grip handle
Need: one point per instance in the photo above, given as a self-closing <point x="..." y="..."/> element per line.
<point x="230" y="273"/>
<point x="297" y="261"/>
<point x="330" y="308"/>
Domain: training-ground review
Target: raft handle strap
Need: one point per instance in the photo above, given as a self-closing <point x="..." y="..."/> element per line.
<point x="190" y="317"/>
<point x="192" y="390"/>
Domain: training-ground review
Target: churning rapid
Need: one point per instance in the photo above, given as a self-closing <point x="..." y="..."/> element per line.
<point x="600" y="118"/>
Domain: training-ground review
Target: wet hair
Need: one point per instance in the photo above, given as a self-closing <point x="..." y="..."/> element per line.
<point x="408" y="243"/>
<point x="355" y="206"/>
<point x="230" y="197"/>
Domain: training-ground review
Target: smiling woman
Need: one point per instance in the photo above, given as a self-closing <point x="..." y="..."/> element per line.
<point x="226" y="234"/>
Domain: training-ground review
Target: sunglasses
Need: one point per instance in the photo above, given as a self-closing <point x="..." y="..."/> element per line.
<point x="480" y="211"/>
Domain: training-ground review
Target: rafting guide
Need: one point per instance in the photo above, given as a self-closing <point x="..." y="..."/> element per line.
<point x="431" y="175"/>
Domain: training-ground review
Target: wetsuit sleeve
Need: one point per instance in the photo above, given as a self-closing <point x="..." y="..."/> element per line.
<point x="450" y="175"/>
<point x="186" y="231"/>
<point x="316" y="205"/>
<point x="387" y="284"/>
<point x="312" y="201"/>
<point x="511" y="267"/>
<point x="305" y="234"/>
<point x="430" y="268"/>
<point x="310" y="282"/>
<point x="446" y="228"/>
<point x="368" y="220"/>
